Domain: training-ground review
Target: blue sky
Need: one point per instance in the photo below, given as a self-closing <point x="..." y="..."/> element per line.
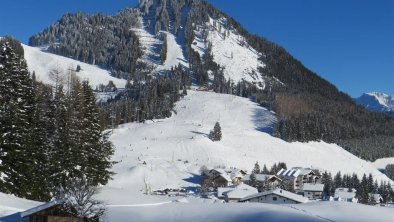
<point x="348" y="42"/>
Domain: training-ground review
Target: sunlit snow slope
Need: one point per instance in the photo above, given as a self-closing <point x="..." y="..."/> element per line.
<point x="168" y="153"/>
<point x="230" y="51"/>
<point x="42" y="63"/>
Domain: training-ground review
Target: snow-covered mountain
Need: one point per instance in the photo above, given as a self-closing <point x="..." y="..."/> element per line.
<point x="377" y="102"/>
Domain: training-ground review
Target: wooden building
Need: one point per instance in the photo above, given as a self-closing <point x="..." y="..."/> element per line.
<point x="53" y="211"/>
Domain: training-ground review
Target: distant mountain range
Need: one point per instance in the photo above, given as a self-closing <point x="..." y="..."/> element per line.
<point x="377" y="102"/>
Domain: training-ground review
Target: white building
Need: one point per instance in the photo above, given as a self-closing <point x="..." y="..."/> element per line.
<point x="299" y="176"/>
<point x="345" y="195"/>
<point x="312" y="191"/>
<point x="236" y="192"/>
<point x="277" y="196"/>
<point x="376" y="198"/>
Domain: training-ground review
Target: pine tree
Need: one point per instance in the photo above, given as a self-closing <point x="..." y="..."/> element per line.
<point x="362" y="193"/>
<point x="96" y="149"/>
<point x="256" y="169"/>
<point x="265" y="170"/>
<point x="163" y="52"/>
<point x="253" y="180"/>
<point x="338" y="180"/>
<point x="16" y="113"/>
<point x="216" y="133"/>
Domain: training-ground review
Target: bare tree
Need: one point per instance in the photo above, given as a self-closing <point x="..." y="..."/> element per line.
<point x="79" y="196"/>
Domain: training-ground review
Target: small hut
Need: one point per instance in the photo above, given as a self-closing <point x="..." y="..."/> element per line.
<point x="53" y="211"/>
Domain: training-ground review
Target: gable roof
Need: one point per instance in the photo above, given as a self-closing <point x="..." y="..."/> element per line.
<point x="224" y="176"/>
<point x="240" y="193"/>
<point x="222" y="191"/>
<point x="41" y="208"/>
<point x="260" y="177"/>
<point x="344" y="193"/>
<point x="313" y="187"/>
<point x="296" y="171"/>
<point x="283" y="193"/>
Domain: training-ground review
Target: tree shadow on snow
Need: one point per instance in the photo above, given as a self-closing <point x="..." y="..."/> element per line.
<point x="199" y="133"/>
<point x="264" y="120"/>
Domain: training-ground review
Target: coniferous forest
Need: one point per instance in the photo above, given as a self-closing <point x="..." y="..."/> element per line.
<point x="48" y="134"/>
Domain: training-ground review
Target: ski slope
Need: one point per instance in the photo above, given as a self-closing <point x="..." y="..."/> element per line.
<point x="168" y="153"/>
<point x="43" y="62"/>
<point x="230" y="51"/>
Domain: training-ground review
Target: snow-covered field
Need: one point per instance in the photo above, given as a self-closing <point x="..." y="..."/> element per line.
<point x="42" y="63"/>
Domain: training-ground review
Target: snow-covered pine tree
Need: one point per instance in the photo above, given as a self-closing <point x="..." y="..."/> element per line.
<point x="256" y="169"/>
<point x="216" y="133"/>
<point x="96" y="149"/>
<point x="16" y="110"/>
<point x="41" y="143"/>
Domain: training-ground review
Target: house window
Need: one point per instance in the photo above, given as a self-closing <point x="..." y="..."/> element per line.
<point x="274" y="198"/>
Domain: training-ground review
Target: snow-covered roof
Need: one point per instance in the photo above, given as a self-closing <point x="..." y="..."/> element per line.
<point x="283" y="193"/>
<point x="345" y="193"/>
<point x="295" y="172"/>
<point x="223" y="190"/>
<point x="376" y="197"/>
<point x="260" y="177"/>
<point x="313" y="187"/>
<point x="240" y="193"/>
<point x="41" y="207"/>
<point x="226" y="177"/>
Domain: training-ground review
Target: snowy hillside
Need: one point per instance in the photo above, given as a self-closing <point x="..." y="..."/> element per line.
<point x="168" y="153"/>
<point x="42" y="63"/>
<point x="230" y="51"/>
<point x="377" y="102"/>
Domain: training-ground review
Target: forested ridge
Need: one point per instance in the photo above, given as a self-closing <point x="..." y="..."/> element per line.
<point x="308" y="107"/>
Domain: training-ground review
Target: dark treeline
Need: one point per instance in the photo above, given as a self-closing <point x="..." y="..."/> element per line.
<point x="47" y="135"/>
<point x="139" y="101"/>
<point x="364" y="187"/>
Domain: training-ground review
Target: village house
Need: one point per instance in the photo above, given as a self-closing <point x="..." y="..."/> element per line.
<point x="375" y="198"/>
<point x="264" y="181"/>
<point x="312" y="191"/>
<point x="222" y="180"/>
<point x="345" y="195"/>
<point x="235" y="192"/>
<point x="236" y="175"/>
<point x="276" y="196"/>
<point x="299" y="176"/>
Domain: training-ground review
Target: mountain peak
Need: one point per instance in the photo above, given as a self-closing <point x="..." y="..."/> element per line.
<point x="377" y="102"/>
